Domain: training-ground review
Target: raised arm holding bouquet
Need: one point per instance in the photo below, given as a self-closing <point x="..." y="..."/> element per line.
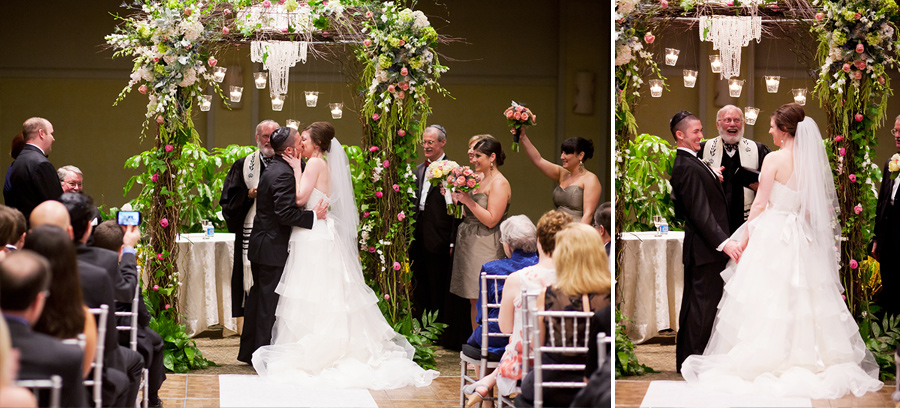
<point x="518" y="116"/>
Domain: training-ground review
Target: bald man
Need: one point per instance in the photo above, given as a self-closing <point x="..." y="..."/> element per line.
<point x="32" y="178"/>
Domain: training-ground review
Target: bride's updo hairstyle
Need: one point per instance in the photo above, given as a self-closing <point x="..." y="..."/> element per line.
<point x="321" y="134"/>
<point x="488" y="146"/>
<point x="788" y="116"/>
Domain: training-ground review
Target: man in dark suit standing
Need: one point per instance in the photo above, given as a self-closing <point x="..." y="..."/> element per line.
<point x="32" y="178"/>
<point x="24" y="280"/>
<point x="699" y="200"/>
<point x="886" y="247"/>
<point x="239" y="208"/>
<point x="435" y="231"/>
<point x="276" y="214"/>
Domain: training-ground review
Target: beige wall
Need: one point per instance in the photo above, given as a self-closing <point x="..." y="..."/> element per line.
<point x="524" y="51"/>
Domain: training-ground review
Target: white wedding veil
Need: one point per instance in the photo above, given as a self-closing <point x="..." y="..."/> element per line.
<point x="815" y="182"/>
<point x="342" y="199"/>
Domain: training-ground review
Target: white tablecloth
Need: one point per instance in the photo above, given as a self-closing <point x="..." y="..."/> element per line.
<point x="204" y="297"/>
<point x="651" y="281"/>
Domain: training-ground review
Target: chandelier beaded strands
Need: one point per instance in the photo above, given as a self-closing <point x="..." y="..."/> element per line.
<point x="729" y="34"/>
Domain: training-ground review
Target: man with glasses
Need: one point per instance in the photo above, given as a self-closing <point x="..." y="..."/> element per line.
<point x="886" y="245"/>
<point x="239" y="207"/>
<point x="728" y="152"/>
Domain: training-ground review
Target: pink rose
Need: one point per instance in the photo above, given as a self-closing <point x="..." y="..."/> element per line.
<point x="857" y="209"/>
<point x="838" y="138"/>
<point x="225" y="30"/>
<point x="664" y="4"/>
<point x="857" y="16"/>
<point x="509" y="114"/>
<point x="471" y="183"/>
<point x="404" y="86"/>
<point x="401" y="95"/>
<point x="155" y="59"/>
<point x="267" y="3"/>
<point x="649" y="38"/>
<point x="881" y="80"/>
<point x="366" y="214"/>
<point x="369" y="14"/>
<point x="373" y="149"/>
<point x="860" y="65"/>
<point x="164" y="222"/>
<point x="187" y="12"/>
<point x="524" y="116"/>
<point x="857" y="74"/>
<point x="159" y="256"/>
<point x="168" y="306"/>
<point x="401" y="216"/>
<point x="155" y="287"/>
<point x="227" y="12"/>
<point x="379" y="194"/>
<point x="467" y="172"/>
<point x="386" y="296"/>
<point x="159" y="119"/>
<point x="396" y="266"/>
<point x="517" y="116"/>
<point x="391" y="88"/>
<point x="325" y="34"/>
<point x="460" y="181"/>
<point x="169" y="148"/>
<point x="154" y="177"/>
<point x="386" y="164"/>
<point x="404" y="71"/>
<point x="396" y="188"/>
<point x="852" y="178"/>
<point x="859" y="117"/>
<point x="846" y="67"/>
<point x="774" y="7"/>
<point x="143" y="89"/>
<point x="842" y="151"/>
<point x="375" y="116"/>
<point x="860" y="48"/>
<point x="401" y="133"/>
<point x="402" y="43"/>
<point x="730" y="3"/>
<point x="367" y="42"/>
<point x="854" y="264"/>
<point x="371" y="249"/>
<point x="820" y="17"/>
<point x="284" y="30"/>
<point x="450" y="179"/>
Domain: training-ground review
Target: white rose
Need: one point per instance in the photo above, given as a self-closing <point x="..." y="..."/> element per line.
<point x="189" y="77"/>
<point x="381" y="75"/>
<point x="421" y="21"/>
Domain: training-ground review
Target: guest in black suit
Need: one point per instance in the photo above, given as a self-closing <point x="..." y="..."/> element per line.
<point x="699" y="200"/>
<point x="435" y="231"/>
<point x="276" y="214"/>
<point x="886" y="247"/>
<point x="24" y="279"/>
<point x="32" y="178"/>
<point x="239" y="208"/>
<point x="603" y="222"/>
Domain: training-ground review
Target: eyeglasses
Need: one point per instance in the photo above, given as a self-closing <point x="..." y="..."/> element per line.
<point x="894" y="132"/>
<point x="731" y="120"/>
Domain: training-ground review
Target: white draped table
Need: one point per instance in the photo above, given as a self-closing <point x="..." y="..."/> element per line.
<point x="651" y="281"/>
<point x="204" y="297"/>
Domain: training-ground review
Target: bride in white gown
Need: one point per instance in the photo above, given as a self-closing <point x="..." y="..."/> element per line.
<point x="782" y="327"/>
<point x="329" y="330"/>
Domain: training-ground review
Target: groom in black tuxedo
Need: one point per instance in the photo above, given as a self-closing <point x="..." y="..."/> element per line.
<point x="886" y="247"/>
<point x="700" y="200"/>
<point x="276" y="214"/>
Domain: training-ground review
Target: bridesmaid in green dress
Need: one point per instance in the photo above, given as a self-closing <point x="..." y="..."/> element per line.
<point x="578" y="192"/>
<point x="478" y="236"/>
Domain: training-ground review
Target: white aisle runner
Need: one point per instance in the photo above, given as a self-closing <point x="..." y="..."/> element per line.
<point x="253" y="391"/>
<point x="678" y="394"/>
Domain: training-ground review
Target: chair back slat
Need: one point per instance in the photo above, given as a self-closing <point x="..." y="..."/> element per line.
<point x="96" y="382"/>
<point x="562" y="344"/>
<point x="53" y="385"/>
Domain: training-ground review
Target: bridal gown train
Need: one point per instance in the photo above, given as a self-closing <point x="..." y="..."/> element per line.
<point x="329" y="330"/>
<point x="782" y="327"/>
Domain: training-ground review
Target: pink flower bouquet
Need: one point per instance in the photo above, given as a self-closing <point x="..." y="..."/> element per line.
<point x="462" y="179"/>
<point x="517" y="116"/>
<point x="437" y="174"/>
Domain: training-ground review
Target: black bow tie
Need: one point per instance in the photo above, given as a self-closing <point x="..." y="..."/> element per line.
<point x="267" y="160"/>
<point x="730" y="147"/>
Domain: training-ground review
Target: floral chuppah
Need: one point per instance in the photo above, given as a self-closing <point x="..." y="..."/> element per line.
<point x="174" y="43"/>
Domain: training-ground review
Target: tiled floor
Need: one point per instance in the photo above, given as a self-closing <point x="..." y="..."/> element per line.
<point x="202" y="391"/>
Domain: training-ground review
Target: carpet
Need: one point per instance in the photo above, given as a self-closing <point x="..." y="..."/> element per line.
<point x="253" y="391"/>
<point x="678" y="394"/>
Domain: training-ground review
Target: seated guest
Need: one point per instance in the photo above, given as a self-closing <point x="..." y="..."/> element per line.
<point x="71" y="179"/>
<point x="110" y="235"/>
<point x="603" y="222"/>
<point x="65" y="316"/>
<point x="533" y="279"/>
<point x="24" y="279"/>
<point x="598" y="391"/>
<point x="519" y="244"/>
<point x="12" y="228"/>
<point x="582" y="284"/>
<point x="11" y="396"/>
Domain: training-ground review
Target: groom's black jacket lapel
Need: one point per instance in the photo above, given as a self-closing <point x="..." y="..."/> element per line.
<point x="276" y="213"/>
<point x="700" y="201"/>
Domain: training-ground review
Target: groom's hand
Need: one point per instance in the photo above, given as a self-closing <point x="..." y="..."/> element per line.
<point x="733" y="250"/>
<point x="321" y="209"/>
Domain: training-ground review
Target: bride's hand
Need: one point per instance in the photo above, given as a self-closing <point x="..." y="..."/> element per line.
<point x="295" y="164"/>
<point x="733" y="250"/>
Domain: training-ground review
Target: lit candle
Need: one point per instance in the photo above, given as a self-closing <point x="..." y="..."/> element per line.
<point x="690" y="78"/>
<point x="715" y="63"/>
<point x="671" y="56"/>
<point x="235" y="93"/>
<point x="336" y="110"/>
<point x="799" y="96"/>
<point x="293" y="123"/>
<point x="750" y="115"/>
<point x="734" y="87"/>
<point x="312" y="97"/>
<point x="277" y="102"/>
<point x="205" y="102"/>
<point x="259" y="78"/>
<point x="772" y="83"/>
<point x="656" y="88"/>
<point x="219" y="74"/>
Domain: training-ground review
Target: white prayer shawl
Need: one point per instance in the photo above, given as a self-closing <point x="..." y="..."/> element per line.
<point x="714" y="150"/>
<point x="252" y="167"/>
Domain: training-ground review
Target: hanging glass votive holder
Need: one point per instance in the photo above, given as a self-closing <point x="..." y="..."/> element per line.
<point x="337" y="110"/>
<point x="235" y="93"/>
<point x="772" y="83"/>
<point x="799" y="96"/>
<point x="715" y="63"/>
<point x="672" y="56"/>
<point x="656" y="87"/>
<point x="690" y="78"/>
<point x="219" y="74"/>
<point x="293" y="124"/>
<point x="259" y="79"/>
<point x="750" y="115"/>
<point x="277" y="103"/>
<point x="205" y="102"/>
<point x="735" y="86"/>
<point x="312" y="98"/>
